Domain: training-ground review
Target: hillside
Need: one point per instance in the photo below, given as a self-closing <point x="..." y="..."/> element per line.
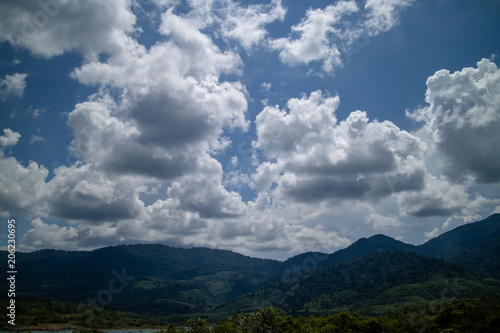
<point x="471" y="245"/>
<point x="160" y="280"/>
<point x="378" y="282"/>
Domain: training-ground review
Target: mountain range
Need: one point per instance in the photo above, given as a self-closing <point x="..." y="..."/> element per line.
<point x="373" y="275"/>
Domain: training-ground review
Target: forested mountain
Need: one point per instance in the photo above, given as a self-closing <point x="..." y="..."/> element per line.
<point x="374" y="283"/>
<point x="370" y="274"/>
<point x="159" y="279"/>
<point x="473" y="245"/>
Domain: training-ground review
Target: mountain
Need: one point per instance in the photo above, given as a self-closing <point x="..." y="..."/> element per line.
<point x="313" y="260"/>
<point x="160" y="280"/>
<point x="471" y="245"/>
<point x="150" y="279"/>
<point x="366" y="246"/>
<point x="373" y="283"/>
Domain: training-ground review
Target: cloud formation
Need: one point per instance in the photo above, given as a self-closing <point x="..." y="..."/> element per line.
<point x="9" y="138"/>
<point x="50" y="28"/>
<point x="319" y="159"/>
<point x="13" y="85"/>
<point x="328" y="34"/>
<point x="463" y="118"/>
<point x="155" y="141"/>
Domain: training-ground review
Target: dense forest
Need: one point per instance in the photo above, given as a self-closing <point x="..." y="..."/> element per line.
<point x="374" y="280"/>
<point x="465" y="315"/>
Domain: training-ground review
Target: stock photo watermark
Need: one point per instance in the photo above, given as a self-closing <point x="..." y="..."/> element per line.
<point x="48" y="9"/>
<point x="293" y="277"/>
<point x="104" y="297"/>
<point x="11" y="271"/>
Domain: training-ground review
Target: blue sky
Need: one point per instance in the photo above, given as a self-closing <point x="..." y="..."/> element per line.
<point x="264" y="127"/>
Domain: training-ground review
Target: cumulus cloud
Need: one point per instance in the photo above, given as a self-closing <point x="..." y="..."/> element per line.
<point x="462" y="118"/>
<point x="82" y="194"/>
<point x="321" y="159"/>
<point x="315" y="33"/>
<point x="50" y="28"/>
<point x="203" y="192"/>
<point x="23" y="188"/>
<point x="431" y="234"/>
<point x="171" y="114"/>
<point x="440" y="197"/>
<point x="246" y="24"/>
<point x="13" y="85"/>
<point x="328" y="35"/>
<point x="173" y="109"/>
<point x="9" y="138"/>
<point x="232" y="21"/>
<point x="381" y="222"/>
<point x="164" y="113"/>
<point x="43" y="235"/>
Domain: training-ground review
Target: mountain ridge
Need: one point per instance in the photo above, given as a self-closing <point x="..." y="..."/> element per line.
<point x="383" y="276"/>
<point x="168" y="280"/>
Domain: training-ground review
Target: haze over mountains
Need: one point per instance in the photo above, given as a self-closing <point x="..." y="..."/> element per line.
<point x="373" y="275"/>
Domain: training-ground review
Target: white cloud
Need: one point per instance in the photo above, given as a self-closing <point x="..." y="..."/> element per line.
<point x="383" y="14"/>
<point x="34" y="113"/>
<point x="319" y="159"/>
<point x="13" y="85"/>
<point x="431" y="234"/>
<point x="463" y="118"/>
<point x="9" y="138"/>
<point x="149" y="139"/>
<point x="440" y="197"/>
<point x="265" y="175"/>
<point x="202" y="192"/>
<point x="381" y="222"/>
<point x="36" y="138"/>
<point x="23" y="188"/>
<point x="84" y="195"/>
<point x="50" y="28"/>
<point x="246" y="24"/>
<point x="231" y="20"/>
<point x="266" y="86"/>
<point x="328" y="35"/>
<point x="173" y="109"/>
<point x="315" y="41"/>
<point x="49" y="236"/>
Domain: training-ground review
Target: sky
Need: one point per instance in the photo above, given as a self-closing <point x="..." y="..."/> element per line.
<point x="268" y="128"/>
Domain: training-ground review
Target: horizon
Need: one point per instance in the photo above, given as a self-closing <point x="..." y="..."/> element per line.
<point x="267" y="128"/>
<point x="254" y="257"/>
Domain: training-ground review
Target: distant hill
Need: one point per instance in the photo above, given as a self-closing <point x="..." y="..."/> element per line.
<point x="373" y="283"/>
<point x="313" y="260"/>
<point x="164" y="281"/>
<point x="473" y="245"/>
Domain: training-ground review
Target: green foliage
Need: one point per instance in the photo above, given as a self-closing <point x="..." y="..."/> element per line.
<point x="465" y="315"/>
<point x="41" y="313"/>
<point x="183" y="280"/>
<point x="378" y="281"/>
<point x="472" y="315"/>
<point x="375" y="276"/>
<point x="197" y="325"/>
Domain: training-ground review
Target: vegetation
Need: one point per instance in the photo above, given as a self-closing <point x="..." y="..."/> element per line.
<point x="465" y="315"/>
<point x="48" y="314"/>
<point x="472" y="315"/>
<point x="378" y="283"/>
<point x="375" y="281"/>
